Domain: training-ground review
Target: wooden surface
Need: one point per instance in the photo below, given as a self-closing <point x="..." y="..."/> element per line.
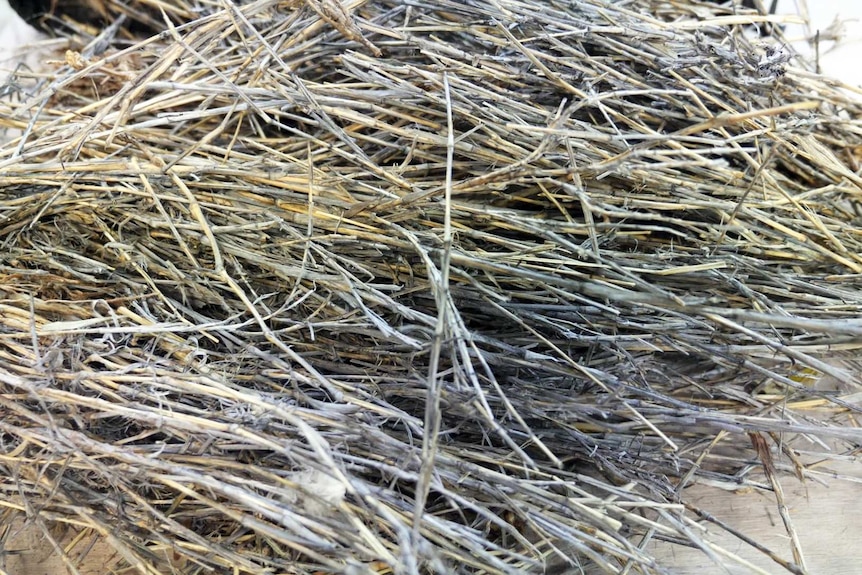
<point x="26" y="551"/>
<point x="828" y="519"/>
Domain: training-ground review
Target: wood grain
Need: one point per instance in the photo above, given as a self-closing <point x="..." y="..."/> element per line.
<point x="827" y="518"/>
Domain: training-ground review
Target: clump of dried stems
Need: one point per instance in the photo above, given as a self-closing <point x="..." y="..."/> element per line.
<point x="419" y="287"/>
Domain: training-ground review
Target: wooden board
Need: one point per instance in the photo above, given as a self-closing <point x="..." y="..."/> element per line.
<point x="827" y="518"/>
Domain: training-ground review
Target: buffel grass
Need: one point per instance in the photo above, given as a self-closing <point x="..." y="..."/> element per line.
<point x="420" y="287"/>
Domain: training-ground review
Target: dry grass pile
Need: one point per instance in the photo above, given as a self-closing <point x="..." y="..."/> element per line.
<point x="302" y="287"/>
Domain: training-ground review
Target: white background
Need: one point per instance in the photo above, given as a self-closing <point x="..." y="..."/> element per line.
<point x="843" y="61"/>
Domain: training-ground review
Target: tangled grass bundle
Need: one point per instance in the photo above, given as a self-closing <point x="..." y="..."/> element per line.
<point x="452" y="287"/>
